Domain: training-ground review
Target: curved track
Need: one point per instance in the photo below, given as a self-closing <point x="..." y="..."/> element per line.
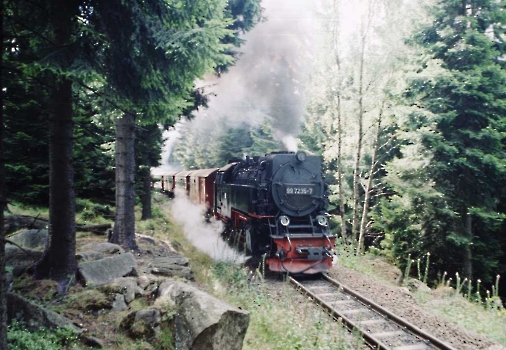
<point x="379" y="328"/>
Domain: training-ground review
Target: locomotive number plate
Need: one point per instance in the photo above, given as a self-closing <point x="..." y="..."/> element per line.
<point x="299" y="190"/>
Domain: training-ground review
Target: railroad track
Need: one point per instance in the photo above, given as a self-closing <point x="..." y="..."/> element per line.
<point x="379" y="328"/>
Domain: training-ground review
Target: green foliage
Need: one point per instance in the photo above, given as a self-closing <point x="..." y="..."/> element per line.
<point x="450" y="180"/>
<point x="87" y="210"/>
<point x="233" y="143"/>
<point x="263" y="138"/>
<point x="93" y="153"/>
<point x="19" y="337"/>
<point x="198" y="148"/>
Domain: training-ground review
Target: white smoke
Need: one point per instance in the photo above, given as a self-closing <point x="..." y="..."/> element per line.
<point x="290" y="143"/>
<point x="269" y="76"/>
<point x="204" y="236"/>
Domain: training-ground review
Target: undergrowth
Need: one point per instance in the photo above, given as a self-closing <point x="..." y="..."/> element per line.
<point x="19" y="337"/>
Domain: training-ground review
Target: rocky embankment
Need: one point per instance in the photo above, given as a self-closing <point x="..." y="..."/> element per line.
<point x="148" y="296"/>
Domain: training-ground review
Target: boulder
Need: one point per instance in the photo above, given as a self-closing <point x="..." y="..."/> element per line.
<point x="89" y="255"/>
<point x="32" y="239"/>
<point x="171" y="266"/>
<point x="142" y="323"/>
<point x="143" y="281"/>
<point x="20" y="259"/>
<point x="35" y="316"/>
<point x="124" y="285"/>
<point x="119" y="303"/>
<point x="105" y="248"/>
<point x="202" y="321"/>
<point x="93" y="342"/>
<point x="103" y="271"/>
<point x="13" y="223"/>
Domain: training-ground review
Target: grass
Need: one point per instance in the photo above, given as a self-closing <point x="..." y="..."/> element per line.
<point x="443" y="301"/>
<point x="280" y="317"/>
<point x="469" y="315"/>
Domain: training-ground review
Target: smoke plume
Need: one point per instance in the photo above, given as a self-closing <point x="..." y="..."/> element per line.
<point x="269" y="76"/>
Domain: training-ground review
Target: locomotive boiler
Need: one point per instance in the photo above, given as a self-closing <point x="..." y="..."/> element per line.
<point x="276" y="203"/>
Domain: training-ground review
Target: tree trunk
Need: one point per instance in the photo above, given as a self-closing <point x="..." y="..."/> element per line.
<point x="59" y="261"/>
<point x="3" y="277"/>
<point x="335" y="45"/>
<point x="368" y="187"/>
<point x="356" y="175"/>
<point x="146" y="193"/>
<point x="124" y="226"/>
<point x="366" y="26"/>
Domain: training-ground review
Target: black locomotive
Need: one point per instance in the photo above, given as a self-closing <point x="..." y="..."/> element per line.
<point x="277" y="203"/>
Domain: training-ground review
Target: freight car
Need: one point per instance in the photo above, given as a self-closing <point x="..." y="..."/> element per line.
<point x="276" y="204"/>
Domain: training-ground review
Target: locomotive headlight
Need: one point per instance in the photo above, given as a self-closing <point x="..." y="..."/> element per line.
<point x="284" y="220"/>
<point x="322" y="220"/>
<point x="301" y="156"/>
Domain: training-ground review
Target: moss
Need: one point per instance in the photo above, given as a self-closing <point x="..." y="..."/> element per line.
<point x="89" y="300"/>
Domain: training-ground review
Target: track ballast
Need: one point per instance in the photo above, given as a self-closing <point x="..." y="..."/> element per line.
<point x="379" y="328"/>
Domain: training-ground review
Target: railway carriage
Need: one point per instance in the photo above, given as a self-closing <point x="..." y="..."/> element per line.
<point x="202" y="188"/>
<point x="168" y="183"/>
<point x="182" y="181"/>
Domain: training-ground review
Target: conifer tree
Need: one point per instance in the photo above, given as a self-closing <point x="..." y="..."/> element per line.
<point x="462" y="130"/>
<point x="263" y="138"/>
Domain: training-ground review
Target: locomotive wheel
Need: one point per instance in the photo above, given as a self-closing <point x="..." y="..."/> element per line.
<point x="255" y="242"/>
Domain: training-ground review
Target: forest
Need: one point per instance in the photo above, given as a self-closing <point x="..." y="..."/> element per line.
<point x="407" y="109"/>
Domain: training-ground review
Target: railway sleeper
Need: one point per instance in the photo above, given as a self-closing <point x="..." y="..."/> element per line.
<point x="418" y="346"/>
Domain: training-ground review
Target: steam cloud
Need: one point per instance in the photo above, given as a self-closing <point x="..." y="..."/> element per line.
<point x="204" y="236"/>
<point x="269" y="76"/>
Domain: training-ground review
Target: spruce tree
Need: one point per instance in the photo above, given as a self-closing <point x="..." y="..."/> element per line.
<point x="466" y="104"/>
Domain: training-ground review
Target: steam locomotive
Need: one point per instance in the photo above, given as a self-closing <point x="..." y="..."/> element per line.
<point x="275" y="203"/>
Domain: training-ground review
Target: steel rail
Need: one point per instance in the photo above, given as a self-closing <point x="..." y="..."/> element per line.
<point x="352" y="325"/>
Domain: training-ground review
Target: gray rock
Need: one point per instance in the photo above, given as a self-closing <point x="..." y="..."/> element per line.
<point x="171" y="266"/>
<point x="143" y="281"/>
<point x="93" y="342"/>
<point x="10" y="281"/>
<point x="105" y="270"/>
<point x="20" y="259"/>
<point x="35" y="316"/>
<point x="142" y="324"/>
<point x="89" y="255"/>
<point x="32" y="239"/>
<point x="105" y="248"/>
<point x="124" y="285"/>
<point x="171" y="260"/>
<point x="202" y="321"/>
<point x="119" y="303"/>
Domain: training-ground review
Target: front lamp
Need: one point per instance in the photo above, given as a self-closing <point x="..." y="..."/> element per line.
<point x="321" y="220"/>
<point x="284" y="220"/>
